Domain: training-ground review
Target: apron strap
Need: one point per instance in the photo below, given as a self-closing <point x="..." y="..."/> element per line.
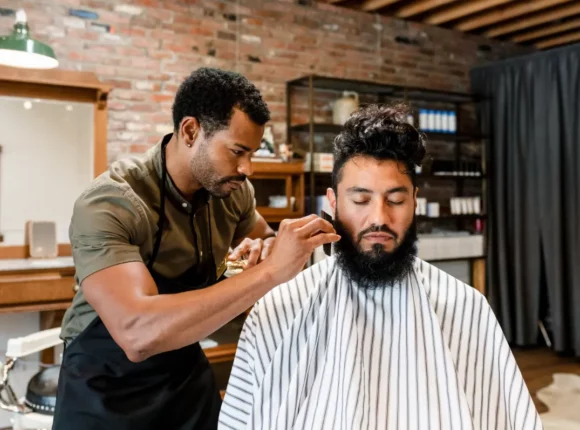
<point x="161" y="221"/>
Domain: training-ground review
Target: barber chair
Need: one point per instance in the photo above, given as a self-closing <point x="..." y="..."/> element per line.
<point x="36" y="410"/>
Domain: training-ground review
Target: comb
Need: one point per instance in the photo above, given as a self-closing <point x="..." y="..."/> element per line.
<point x="327" y="247"/>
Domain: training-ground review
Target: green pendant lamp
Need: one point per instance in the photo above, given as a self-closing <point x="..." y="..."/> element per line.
<point x="19" y="50"/>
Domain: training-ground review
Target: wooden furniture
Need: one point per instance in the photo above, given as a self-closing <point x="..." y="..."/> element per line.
<point x="28" y="285"/>
<point x="270" y="178"/>
<point x="62" y="85"/>
<point x="46" y="286"/>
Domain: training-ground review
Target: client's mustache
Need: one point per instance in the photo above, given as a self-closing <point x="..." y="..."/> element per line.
<point x="240" y="178"/>
<point x="377" y="229"/>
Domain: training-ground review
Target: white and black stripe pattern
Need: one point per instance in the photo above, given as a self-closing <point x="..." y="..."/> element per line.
<point x="321" y="353"/>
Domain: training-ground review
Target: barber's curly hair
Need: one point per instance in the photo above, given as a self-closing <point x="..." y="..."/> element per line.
<point x="381" y="132"/>
<point x="210" y="95"/>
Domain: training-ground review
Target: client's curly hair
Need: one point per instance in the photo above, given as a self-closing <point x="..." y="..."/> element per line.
<point x="381" y="132"/>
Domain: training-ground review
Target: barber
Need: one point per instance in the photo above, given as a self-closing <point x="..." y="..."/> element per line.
<point x="150" y="239"/>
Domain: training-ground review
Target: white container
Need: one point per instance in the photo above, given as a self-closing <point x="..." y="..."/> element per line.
<point x="470" y="206"/>
<point x="438" y="121"/>
<point x="477" y="205"/>
<point x="323" y="162"/>
<point x="445" y="122"/>
<point x="464" y="206"/>
<point x="344" y="106"/>
<point x="421" y="208"/>
<point x="452" y="122"/>
<point x="281" y="202"/>
<point x="431" y="120"/>
<point x="432" y="248"/>
<point x="433" y="210"/>
<point x="458" y="206"/>
<point x="423" y="119"/>
<point x="410" y="119"/>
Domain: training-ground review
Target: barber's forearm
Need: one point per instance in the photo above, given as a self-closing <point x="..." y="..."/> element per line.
<point x="171" y="321"/>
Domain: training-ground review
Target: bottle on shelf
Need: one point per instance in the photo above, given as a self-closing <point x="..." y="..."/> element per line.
<point x="431" y="120"/>
<point x="438" y="121"/>
<point x="445" y="122"/>
<point x="423" y="123"/>
<point x="452" y="122"/>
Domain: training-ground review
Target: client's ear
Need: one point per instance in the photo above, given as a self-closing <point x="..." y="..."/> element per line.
<point x="331" y="196"/>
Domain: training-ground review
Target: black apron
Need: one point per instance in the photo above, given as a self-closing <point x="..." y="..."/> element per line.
<point x="99" y="388"/>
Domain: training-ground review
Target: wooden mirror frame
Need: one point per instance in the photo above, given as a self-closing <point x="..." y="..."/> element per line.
<point x="64" y="85"/>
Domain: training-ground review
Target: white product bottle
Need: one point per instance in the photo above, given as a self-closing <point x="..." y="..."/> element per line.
<point x="477" y="205"/>
<point x="438" y="121"/>
<point x="444" y="121"/>
<point x="431" y="120"/>
<point x="452" y="122"/>
<point x="410" y="119"/>
<point x="423" y="119"/>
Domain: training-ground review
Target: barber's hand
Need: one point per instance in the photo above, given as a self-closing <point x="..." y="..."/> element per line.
<point x="297" y="239"/>
<point x="254" y="251"/>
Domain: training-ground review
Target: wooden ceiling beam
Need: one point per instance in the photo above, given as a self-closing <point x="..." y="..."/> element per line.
<point x="548" y="31"/>
<point x="560" y="40"/>
<point x="522" y="24"/>
<point x="372" y="5"/>
<point x="462" y="9"/>
<point x="413" y="8"/>
<point x="506" y="13"/>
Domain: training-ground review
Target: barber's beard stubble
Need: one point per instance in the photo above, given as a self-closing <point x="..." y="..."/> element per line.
<point x="204" y="172"/>
<point x="375" y="268"/>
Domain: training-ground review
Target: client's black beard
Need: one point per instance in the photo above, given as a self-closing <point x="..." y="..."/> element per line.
<point x="375" y="268"/>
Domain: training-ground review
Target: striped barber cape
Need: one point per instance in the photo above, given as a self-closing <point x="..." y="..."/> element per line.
<point x="321" y="353"/>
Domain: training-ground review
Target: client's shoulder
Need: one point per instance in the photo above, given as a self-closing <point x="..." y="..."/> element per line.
<point x="290" y="297"/>
<point x="444" y="289"/>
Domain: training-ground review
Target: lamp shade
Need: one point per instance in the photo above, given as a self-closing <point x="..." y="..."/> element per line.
<point x="19" y="50"/>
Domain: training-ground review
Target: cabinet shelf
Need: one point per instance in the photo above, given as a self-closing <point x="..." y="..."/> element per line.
<point x="454" y="177"/>
<point x="451" y="217"/>
<point x="287" y="179"/>
<point x="335" y="129"/>
<point x="266" y="167"/>
<point x="278" y="214"/>
<point x="383" y="89"/>
<point x="426" y="176"/>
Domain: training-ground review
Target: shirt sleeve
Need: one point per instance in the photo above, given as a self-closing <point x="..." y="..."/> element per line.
<point x="248" y="214"/>
<point x="104" y="229"/>
<point x="238" y="404"/>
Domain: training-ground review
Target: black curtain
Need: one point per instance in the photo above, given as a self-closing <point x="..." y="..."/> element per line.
<point x="532" y="117"/>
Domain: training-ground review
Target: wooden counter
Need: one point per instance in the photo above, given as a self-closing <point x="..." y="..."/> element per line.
<point x="36" y="285"/>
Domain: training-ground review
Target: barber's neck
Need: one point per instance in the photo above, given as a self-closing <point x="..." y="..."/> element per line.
<point x="179" y="171"/>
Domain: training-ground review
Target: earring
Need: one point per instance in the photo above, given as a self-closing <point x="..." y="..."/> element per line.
<point x="188" y="145"/>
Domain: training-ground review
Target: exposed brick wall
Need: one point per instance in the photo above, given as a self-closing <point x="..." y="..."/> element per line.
<point x="154" y="44"/>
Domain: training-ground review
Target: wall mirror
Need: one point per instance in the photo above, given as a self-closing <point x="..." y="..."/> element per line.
<point x="45" y="162"/>
<point x="53" y="143"/>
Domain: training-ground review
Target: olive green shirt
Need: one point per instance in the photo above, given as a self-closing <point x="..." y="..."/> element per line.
<point x="115" y="219"/>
